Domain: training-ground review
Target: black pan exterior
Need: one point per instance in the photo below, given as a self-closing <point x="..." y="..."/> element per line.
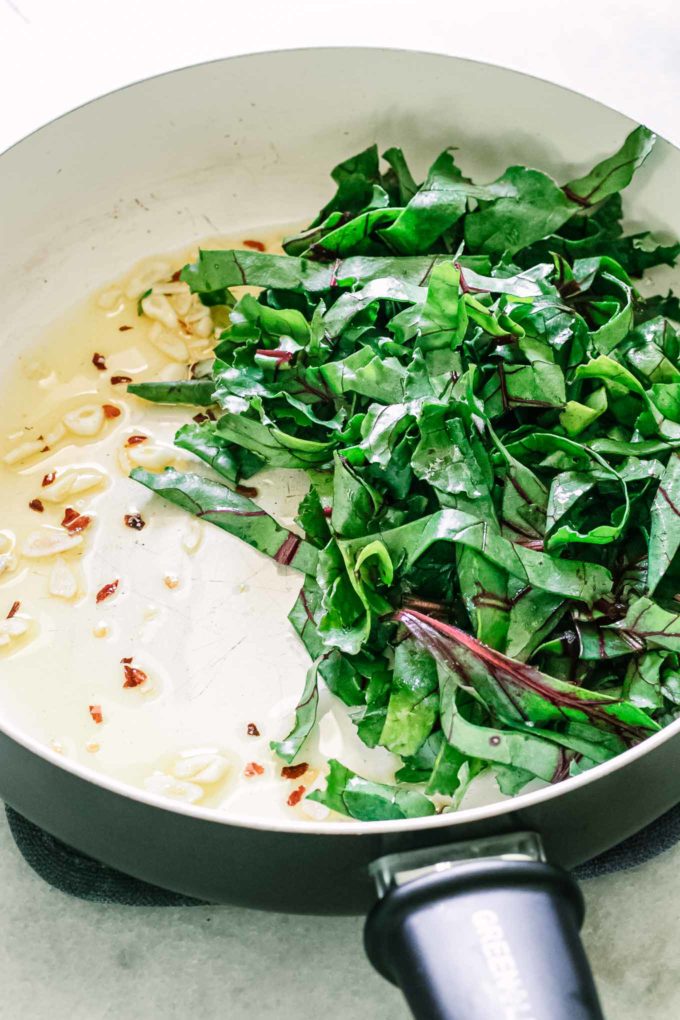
<point x="312" y="872"/>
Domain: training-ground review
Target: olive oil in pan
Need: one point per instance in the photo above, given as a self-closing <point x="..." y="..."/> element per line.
<point x="147" y="645"/>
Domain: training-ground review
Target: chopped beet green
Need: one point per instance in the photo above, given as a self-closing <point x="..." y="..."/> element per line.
<point x="487" y="412"/>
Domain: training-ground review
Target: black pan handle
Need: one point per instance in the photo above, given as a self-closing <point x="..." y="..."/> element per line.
<point x="486" y="939"/>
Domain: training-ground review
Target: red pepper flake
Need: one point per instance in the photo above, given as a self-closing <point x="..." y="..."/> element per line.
<point x="247" y="490"/>
<point x="328" y="511"/>
<point x="111" y="411"/>
<point x="134" y="521"/>
<point x="16" y="606"/>
<point x="49" y="478"/>
<point x="37" y="505"/>
<point x="135" y="440"/>
<point x="96" y="713"/>
<point x="253" y="769"/>
<point x="200" y="418"/>
<point x="107" y="590"/>
<point x="115" y="379"/>
<point x="253" y="730"/>
<point x="124" y="329"/>
<point x="296" y="796"/>
<point x="99" y="361"/>
<point x="133" y="676"/>
<point x="255" y="245"/>
<point x="294" y="771"/>
<point x="74" y="521"/>
<point x="175" y="276"/>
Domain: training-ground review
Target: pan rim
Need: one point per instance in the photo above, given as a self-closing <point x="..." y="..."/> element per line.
<point x="311" y="827"/>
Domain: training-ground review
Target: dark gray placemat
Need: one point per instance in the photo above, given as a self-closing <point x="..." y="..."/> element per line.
<point x="74" y="873"/>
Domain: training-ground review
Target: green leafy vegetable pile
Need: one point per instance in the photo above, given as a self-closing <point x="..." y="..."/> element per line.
<point x="488" y="413"/>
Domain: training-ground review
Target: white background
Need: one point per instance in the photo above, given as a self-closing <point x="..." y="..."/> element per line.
<point x="63" y="958"/>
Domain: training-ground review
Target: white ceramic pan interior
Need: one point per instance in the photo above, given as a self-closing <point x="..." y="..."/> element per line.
<point x="243" y="144"/>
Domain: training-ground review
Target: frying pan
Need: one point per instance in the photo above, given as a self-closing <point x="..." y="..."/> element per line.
<point x="473" y="914"/>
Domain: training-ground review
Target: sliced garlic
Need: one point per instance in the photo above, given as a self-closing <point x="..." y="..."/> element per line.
<point x="24" y="451"/>
<point x="172" y="346"/>
<point x="182" y="302"/>
<point x="192" y="536"/>
<point x="85" y="421"/>
<point x="157" y="307"/>
<point x="13" y="628"/>
<point x="48" y="541"/>
<point x="70" y="483"/>
<point x="146" y="277"/>
<point x="8" y="560"/>
<point x="201" y="768"/>
<point x="48" y="381"/>
<point x="313" y="809"/>
<point x="123" y="460"/>
<point x="7" y="563"/>
<point x="168" y="786"/>
<point x="199" y="322"/>
<point x="200" y="351"/>
<point x="203" y="328"/>
<point x="63" y="581"/>
<point x="150" y="455"/>
<point x="171" y="287"/>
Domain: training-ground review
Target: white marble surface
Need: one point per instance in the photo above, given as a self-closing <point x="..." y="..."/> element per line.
<point x="62" y="958"/>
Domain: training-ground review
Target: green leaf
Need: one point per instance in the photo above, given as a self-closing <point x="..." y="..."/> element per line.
<point x="355" y="502"/>
<point x="443" y="318"/>
<point x="517" y="693"/>
<point x="577" y="417"/>
<point x="366" y="373"/>
<point x="240" y="516"/>
<point x="230" y="461"/>
<point x="399" y="176"/>
<point x="355" y="178"/>
<point x="569" y="578"/>
<point x="538" y="208"/>
<point x="356" y="237"/>
<point x="349" y="794"/>
<point x="413" y="703"/>
<point x="305" y="717"/>
<point x="647" y="625"/>
<point x="275" y="447"/>
<point x="216" y="271"/>
<point x="614" y="173"/>
<point x="436" y="206"/>
<point x="666" y="397"/>
<point x="664" y="538"/>
<point x="198" y="392"/>
<point x="488" y="414"/>
<point x="312" y="519"/>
